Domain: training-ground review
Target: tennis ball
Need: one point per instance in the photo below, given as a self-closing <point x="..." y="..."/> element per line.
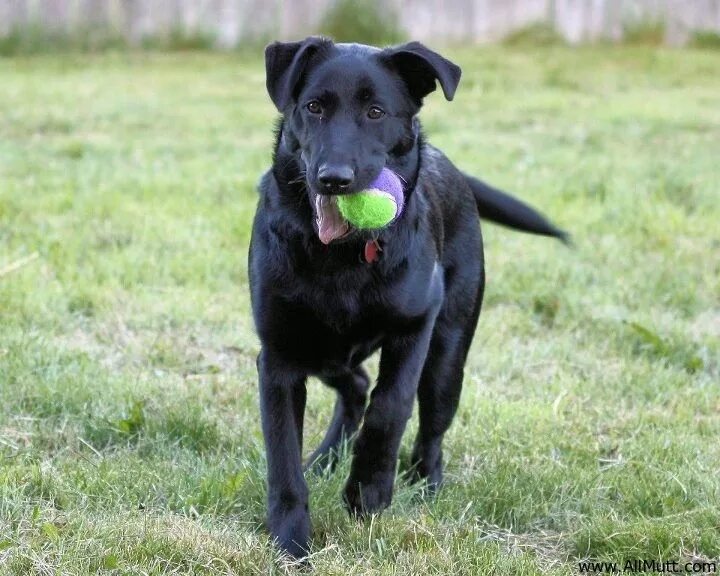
<point x="377" y="206"/>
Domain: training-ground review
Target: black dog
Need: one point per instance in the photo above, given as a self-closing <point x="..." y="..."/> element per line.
<point x="413" y="289"/>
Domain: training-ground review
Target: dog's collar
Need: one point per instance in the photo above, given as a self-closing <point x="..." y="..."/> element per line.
<point x="372" y="251"/>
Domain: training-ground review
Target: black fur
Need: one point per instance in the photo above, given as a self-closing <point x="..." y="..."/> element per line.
<point x="321" y="309"/>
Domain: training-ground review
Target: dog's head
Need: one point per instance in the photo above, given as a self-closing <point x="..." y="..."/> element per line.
<point x="349" y="111"/>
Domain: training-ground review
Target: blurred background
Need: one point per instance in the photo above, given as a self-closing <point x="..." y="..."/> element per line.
<point x="132" y="137"/>
<point x="229" y="23"/>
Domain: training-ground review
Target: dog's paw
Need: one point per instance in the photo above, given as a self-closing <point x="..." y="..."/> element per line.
<point x="362" y="498"/>
<point x="321" y="462"/>
<point x="291" y="531"/>
<point x="426" y="470"/>
<point x="430" y="479"/>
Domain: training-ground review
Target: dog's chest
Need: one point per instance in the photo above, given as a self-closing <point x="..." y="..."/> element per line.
<point x="328" y="335"/>
<point x="336" y="305"/>
<point x="327" y="326"/>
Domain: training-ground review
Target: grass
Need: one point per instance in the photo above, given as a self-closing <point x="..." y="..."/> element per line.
<point x="648" y="32"/>
<point x="368" y="22"/>
<point x="34" y="40"/>
<point x="534" y="35"/>
<point x="706" y="39"/>
<point x="129" y="433"/>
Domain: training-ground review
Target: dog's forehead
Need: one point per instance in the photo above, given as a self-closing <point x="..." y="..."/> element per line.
<point x="349" y="67"/>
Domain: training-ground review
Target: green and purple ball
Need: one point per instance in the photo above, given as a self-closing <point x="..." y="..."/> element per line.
<point x="377" y="206"/>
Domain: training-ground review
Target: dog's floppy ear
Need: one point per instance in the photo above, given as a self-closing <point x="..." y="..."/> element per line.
<point x="285" y="63"/>
<point x="420" y="67"/>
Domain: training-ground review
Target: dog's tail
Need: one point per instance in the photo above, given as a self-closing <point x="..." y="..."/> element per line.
<point x="497" y="206"/>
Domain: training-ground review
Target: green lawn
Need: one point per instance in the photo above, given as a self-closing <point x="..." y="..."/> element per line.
<point x="129" y="432"/>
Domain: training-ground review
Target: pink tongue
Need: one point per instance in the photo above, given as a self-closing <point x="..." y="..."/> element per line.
<point x="331" y="224"/>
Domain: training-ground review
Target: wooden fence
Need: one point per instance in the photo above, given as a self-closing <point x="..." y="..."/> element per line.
<point x="231" y="22"/>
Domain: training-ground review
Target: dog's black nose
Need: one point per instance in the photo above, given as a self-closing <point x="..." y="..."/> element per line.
<point x="336" y="177"/>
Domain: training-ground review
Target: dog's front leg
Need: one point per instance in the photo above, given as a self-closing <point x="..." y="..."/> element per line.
<point x="282" y="405"/>
<point x="372" y="475"/>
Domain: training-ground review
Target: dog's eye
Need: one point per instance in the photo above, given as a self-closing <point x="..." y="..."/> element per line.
<point x="375" y="112"/>
<point x="314" y="107"/>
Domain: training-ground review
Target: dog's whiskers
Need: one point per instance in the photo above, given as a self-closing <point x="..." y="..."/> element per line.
<point x="298" y="180"/>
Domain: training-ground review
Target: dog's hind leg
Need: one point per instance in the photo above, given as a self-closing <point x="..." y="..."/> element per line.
<point x="352" y="391"/>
